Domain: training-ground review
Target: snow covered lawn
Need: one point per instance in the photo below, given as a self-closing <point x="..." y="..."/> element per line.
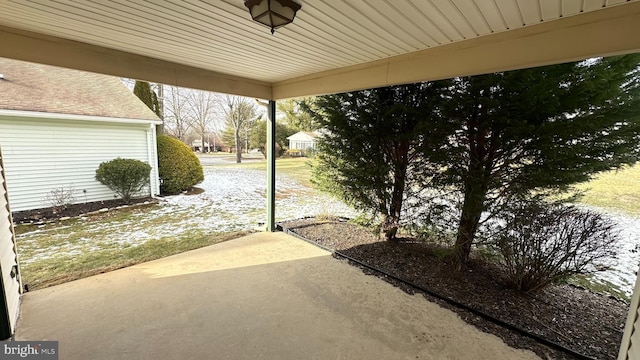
<point x="233" y="200"/>
<point x="623" y="266"/>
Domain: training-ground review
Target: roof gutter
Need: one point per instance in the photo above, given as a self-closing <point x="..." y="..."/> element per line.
<point x="35" y="115"/>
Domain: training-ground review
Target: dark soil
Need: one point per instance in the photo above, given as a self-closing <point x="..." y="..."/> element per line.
<point x="194" y="191"/>
<point x="587" y="323"/>
<point x="50" y="214"/>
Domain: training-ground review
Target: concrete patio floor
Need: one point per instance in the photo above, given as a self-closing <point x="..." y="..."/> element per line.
<point x="263" y="296"/>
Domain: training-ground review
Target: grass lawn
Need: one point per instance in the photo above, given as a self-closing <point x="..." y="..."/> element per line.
<point x="97" y="244"/>
<point x="72" y="249"/>
<point x="67" y="250"/>
<point x="616" y="190"/>
<point x="49" y="272"/>
<point x="298" y="168"/>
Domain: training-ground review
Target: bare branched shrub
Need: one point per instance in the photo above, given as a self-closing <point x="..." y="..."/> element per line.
<point x="541" y="243"/>
<point x="60" y="198"/>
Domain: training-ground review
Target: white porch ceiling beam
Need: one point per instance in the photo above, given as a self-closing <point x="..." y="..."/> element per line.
<point x="34" y="47"/>
<point x="606" y="32"/>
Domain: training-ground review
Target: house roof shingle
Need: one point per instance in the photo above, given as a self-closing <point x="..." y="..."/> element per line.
<point x="42" y="88"/>
<point x="303" y="135"/>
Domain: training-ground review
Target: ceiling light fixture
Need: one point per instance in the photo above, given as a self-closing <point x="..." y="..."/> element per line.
<point x="272" y="13"/>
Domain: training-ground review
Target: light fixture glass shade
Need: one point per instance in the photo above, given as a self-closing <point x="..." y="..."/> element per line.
<point x="272" y="13"/>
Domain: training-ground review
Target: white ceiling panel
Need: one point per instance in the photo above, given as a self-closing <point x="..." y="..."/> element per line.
<point x="572" y="7"/>
<point x="469" y="9"/>
<point x="592" y="5"/>
<point x="452" y="13"/>
<point x="530" y="11"/>
<point x="219" y="36"/>
<point x="492" y="15"/>
<point x="433" y="15"/>
<point x="418" y="23"/>
<point x="550" y="9"/>
<point x="511" y="13"/>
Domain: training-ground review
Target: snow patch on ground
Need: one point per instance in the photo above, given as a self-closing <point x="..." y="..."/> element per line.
<point x="235" y="200"/>
<point x="623" y="266"/>
<point x="239" y="196"/>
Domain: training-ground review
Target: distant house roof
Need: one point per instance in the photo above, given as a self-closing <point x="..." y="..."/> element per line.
<point x="27" y="86"/>
<point x="303" y="136"/>
<point x="196" y="143"/>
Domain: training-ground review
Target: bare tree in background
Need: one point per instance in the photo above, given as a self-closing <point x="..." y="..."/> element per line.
<point x="203" y="107"/>
<point x="238" y="112"/>
<point x="178" y="114"/>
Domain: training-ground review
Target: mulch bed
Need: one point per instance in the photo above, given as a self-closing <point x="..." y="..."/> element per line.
<point x="50" y="214"/>
<point x="587" y="323"/>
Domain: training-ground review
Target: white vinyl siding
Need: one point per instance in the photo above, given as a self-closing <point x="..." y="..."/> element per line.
<point x="43" y="155"/>
<point x="8" y="258"/>
<point x="302" y="141"/>
<point x="302" y="145"/>
<point x="630" y="347"/>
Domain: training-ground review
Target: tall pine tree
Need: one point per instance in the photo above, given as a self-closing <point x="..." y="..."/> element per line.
<point x="369" y="148"/>
<point x="528" y="131"/>
<point x="142" y="90"/>
<point x="491" y="138"/>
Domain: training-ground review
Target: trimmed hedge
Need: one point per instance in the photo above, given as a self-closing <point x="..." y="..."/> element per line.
<point x="178" y="166"/>
<point x="125" y="177"/>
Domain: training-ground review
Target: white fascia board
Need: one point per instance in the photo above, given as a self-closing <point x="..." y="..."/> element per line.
<point x="57" y="116"/>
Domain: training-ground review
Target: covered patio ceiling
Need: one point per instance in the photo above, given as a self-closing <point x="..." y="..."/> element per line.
<point x="332" y="46"/>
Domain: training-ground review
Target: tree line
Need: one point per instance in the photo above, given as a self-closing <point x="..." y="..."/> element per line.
<point x="213" y="119"/>
<point x="487" y="159"/>
<point x="455" y="155"/>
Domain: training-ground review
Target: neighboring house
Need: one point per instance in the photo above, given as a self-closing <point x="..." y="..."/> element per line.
<point x="214" y="146"/>
<point x="57" y="125"/>
<point x="197" y="144"/>
<point x="303" y="140"/>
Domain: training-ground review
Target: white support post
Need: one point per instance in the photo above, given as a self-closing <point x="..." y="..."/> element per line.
<point x="629" y="331"/>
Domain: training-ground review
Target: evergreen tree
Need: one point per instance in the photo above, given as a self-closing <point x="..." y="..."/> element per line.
<point x="492" y="138"/>
<point x="294" y="117"/>
<point x="142" y="90"/>
<point x="370" y="145"/>
<point x="228" y="135"/>
<point x="530" y="131"/>
<point x="258" y="136"/>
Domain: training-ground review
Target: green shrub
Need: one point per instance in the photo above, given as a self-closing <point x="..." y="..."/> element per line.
<point x="310" y="153"/>
<point x="125" y="177"/>
<point x="178" y="166"/>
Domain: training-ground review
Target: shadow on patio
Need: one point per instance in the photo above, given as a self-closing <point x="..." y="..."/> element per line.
<point x="263" y="296"/>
